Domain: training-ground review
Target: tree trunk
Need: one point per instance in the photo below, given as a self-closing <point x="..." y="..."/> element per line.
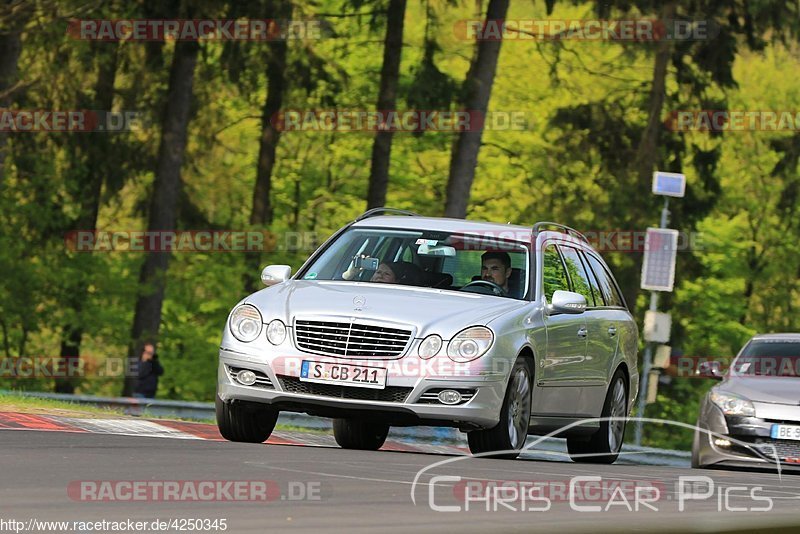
<point x="647" y="155"/>
<point x="164" y="199"/>
<point x="262" y="211"/>
<point x="10" y="48"/>
<point x="478" y="90"/>
<point x="647" y="151"/>
<point x="387" y="101"/>
<point x="96" y="146"/>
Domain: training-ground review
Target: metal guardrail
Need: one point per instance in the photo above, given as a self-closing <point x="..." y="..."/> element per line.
<point x="199" y="411"/>
<point x="204" y="411"/>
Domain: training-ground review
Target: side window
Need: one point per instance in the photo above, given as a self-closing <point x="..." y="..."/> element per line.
<point x="578" y="275"/>
<point x="596" y="292"/>
<point x="554" y="277"/>
<point x="610" y="293"/>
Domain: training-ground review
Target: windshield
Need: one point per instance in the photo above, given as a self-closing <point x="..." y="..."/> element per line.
<point x="769" y="358"/>
<point x="422" y="258"/>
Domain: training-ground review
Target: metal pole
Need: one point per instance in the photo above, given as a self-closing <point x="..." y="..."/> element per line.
<point x="647" y="362"/>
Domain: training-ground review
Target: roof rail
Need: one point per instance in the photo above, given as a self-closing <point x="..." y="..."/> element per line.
<point x="569" y="231"/>
<point x="374" y="212"/>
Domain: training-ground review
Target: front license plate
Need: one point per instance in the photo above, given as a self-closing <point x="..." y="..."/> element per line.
<point x="342" y="374"/>
<point x="785" y="432"/>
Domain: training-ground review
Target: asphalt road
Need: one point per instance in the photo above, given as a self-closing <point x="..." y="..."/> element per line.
<point x="365" y="491"/>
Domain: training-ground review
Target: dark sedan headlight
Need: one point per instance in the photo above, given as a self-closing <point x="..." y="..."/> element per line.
<point x="246" y="323"/>
<point x="733" y="404"/>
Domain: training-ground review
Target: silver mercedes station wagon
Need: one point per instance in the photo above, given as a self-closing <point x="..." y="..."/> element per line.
<point x="498" y="330"/>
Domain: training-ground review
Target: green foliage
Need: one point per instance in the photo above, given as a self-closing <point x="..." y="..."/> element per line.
<point x="584" y="104"/>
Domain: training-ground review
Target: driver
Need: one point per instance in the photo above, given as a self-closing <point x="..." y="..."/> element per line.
<point x="496" y="267"/>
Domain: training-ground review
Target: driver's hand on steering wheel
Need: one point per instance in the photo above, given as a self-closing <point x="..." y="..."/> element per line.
<point x="497" y="290"/>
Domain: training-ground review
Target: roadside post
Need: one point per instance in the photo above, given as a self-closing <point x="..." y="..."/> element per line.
<point x="658" y="274"/>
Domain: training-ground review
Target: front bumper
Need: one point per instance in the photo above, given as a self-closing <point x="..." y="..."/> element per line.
<point x="749" y="441"/>
<point x="400" y="403"/>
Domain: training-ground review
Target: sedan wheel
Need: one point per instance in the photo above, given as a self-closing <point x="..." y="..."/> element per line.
<point x="245" y="422"/>
<point x="358" y="434"/>
<point x="508" y="437"/>
<point x="603" y="446"/>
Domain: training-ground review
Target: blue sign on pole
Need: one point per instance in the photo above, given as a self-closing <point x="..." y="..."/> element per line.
<point x="671" y="184"/>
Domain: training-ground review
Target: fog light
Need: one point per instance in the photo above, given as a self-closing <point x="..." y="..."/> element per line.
<point x="719" y="442"/>
<point x="449" y="396"/>
<point x="247" y="378"/>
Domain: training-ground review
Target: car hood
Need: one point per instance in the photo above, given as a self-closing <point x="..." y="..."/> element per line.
<point x="774" y="389"/>
<point x="429" y="310"/>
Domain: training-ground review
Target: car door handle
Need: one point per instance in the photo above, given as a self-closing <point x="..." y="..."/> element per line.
<point x="612" y="331"/>
<point x="582" y="332"/>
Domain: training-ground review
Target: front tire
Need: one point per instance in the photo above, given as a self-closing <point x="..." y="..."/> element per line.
<point x="604" y="445"/>
<point x="360" y="435"/>
<point x="696" y="448"/>
<point x="508" y="437"/>
<point x="245" y="422"/>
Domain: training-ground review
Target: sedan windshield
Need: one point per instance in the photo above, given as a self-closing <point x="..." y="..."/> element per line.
<point x="421" y="258"/>
<point x="769" y="358"/>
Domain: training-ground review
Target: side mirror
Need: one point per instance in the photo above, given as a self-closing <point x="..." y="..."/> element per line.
<point x="567" y="302"/>
<point x="709" y="369"/>
<point x="275" y="274"/>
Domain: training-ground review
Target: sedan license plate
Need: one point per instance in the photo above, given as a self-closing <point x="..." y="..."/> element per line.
<point x="342" y="374"/>
<point x="785" y="432"/>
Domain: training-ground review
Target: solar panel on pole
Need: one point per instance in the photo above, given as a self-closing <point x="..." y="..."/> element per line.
<point x="658" y="266"/>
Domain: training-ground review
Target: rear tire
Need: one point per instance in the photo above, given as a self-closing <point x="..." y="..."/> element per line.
<point x="245" y="422"/>
<point x="509" y="436"/>
<point x="604" y="445"/>
<point x="359" y="434"/>
<point x="696" y="449"/>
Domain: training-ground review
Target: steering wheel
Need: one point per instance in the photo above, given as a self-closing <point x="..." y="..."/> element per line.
<point x="496" y="289"/>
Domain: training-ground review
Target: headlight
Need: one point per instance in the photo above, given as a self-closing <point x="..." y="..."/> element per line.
<point x="733" y="405"/>
<point x="470" y="344"/>
<point x="276" y="332"/>
<point x="245" y="323"/>
<point x="430" y="346"/>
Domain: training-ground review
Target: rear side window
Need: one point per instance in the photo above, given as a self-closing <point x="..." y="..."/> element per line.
<point x="596" y="293"/>
<point x="607" y="286"/>
<point x="554" y="277"/>
<point x="577" y="273"/>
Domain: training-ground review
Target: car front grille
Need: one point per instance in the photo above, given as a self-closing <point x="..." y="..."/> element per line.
<point x="785" y="448"/>
<point x="292" y="384"/>
<point x="350" y="339"/>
